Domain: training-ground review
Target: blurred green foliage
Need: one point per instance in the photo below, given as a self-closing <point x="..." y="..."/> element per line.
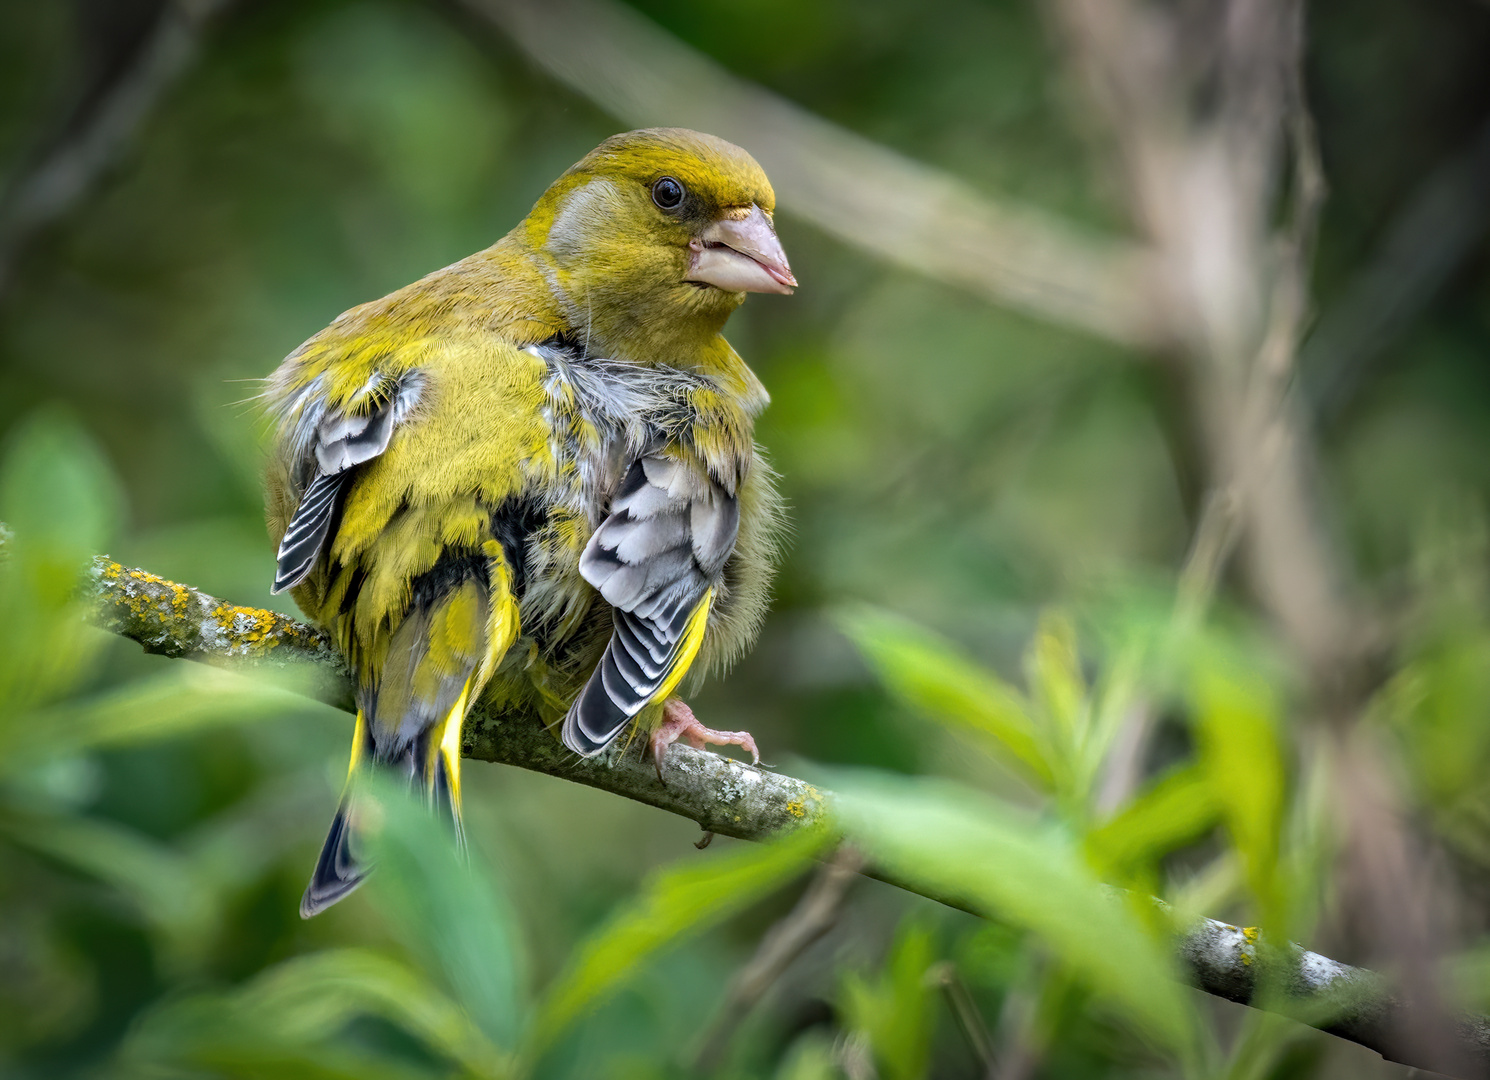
<point x="1012" y="499"/>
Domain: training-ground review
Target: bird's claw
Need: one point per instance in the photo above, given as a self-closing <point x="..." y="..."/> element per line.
<point x="678" y="722"/>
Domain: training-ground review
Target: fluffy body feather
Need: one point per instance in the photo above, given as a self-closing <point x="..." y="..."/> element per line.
<point x="531" y="475"/>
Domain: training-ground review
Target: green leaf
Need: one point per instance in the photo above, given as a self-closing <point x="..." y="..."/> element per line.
<point x="1053" y="668"/>
<point x="933" y="677"/>
<point x="291" y="1015"/>
<point x="178" y="905"/>
<point x="1119" y="695"/>
<point x="812" y="1057"/>
<point x="187" y="698"/>
<point x="446" y="909"/>
<point x="59" y="501"/>
<point x="676" y="901"/>
<point x="1237" y="729"/>
<point x="895" y="1011"/>
<point x="58" y="495"/>
<point x="1174" y="810"/>
<point x="951" y="843"/>
<point x="1437" y="704"/>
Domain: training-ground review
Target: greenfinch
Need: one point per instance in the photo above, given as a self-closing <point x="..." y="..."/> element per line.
<point x="532" y="476"/>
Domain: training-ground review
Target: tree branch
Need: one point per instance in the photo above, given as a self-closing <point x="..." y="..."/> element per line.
<point x="721" y="794"/>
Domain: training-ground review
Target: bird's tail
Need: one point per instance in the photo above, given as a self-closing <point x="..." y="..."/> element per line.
<point x="433" y="757"/>
<point x="337" y="871"/>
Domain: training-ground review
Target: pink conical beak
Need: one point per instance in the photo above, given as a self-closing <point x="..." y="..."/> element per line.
<point x="741" y="255"/>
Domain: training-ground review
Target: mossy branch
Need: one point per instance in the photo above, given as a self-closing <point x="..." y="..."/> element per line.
<point x="724" y="796"/>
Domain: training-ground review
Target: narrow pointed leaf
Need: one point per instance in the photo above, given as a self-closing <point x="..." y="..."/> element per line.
<point x="1236" y="718"/>
<point x="447" y="909"/>
<point x="679" y="900"/>
<point x="1174" y="810"/>
<point x="953" y="843"/>
<point x="182" y="700"/>
<point x="933" y="677"/>
<point x="173" y="900"/>
<point x="287" y="1021"/>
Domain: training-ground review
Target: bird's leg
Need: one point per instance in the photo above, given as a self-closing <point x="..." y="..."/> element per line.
<point x="678" y="722"/>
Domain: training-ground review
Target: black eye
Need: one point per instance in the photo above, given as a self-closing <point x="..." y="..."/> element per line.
<point x="667" y="193"/>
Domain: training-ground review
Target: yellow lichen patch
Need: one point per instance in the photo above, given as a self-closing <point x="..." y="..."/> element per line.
<point x="176" y="620"/>
<point x="252" y="630"/>
<point x="143" y="594"/>
<point x="1250" y="934"/>
<point x="810" y="795"/>
<point x="300" y="634"/>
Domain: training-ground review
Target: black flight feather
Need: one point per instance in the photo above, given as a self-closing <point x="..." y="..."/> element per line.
<point x="308" y="529"/>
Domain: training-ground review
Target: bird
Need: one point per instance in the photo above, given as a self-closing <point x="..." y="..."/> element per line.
<point x="531" y="477"/>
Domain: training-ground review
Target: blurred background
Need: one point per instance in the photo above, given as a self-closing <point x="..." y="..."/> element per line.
<point x="1140" y="429"/>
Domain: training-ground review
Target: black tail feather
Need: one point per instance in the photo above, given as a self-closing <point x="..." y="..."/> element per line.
<point x="337" y="871"/>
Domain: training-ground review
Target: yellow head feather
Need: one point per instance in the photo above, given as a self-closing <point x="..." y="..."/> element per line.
<point x="618" y="260"/>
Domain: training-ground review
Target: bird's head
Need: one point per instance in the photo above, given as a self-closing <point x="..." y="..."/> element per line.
<point x="659" y="234"/>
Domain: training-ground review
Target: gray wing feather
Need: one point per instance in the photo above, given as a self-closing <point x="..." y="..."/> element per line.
<point x="714" y="523"/>
<point x="670" y="609"/>
<point x="306" y="535"/>
<point x="662" y="534"/>
<point x="343" y="439"/>
<point x="665" y="543"/>
<point x="635" y="583"/>
<point x="648" y="502"/>
<point x="670" y="476"/>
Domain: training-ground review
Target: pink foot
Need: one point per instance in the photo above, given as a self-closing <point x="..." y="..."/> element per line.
<point x="678" y="722"/>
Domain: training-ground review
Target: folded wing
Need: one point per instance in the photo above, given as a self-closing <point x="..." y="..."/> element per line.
<point x="657" y="560"/>
<point x="341" y="439"/>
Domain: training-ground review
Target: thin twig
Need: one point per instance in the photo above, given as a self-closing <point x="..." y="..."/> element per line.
<point x="1210" y="550"/>
<point x="69" y="169"/>
<point x="813" y="916"/>
<point x="1201" y="182"/>
<point x="965" y="1012"/>
<point x="1200" y="186"/>
<point x="1020" y="1047"/>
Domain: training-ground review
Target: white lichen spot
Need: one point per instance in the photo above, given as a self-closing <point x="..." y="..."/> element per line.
<point x="1320" y="972"/>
